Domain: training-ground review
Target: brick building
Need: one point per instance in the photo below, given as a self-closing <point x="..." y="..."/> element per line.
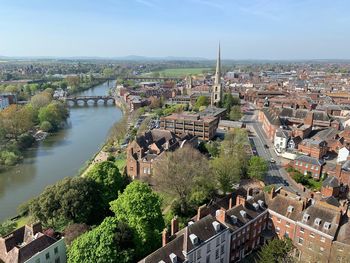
<point x="314" y="148"/>
<point x="308" y="165"/>
<point x="144" y="150"/>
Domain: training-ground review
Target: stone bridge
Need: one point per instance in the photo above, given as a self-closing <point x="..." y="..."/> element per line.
<point x="87" y="99"/>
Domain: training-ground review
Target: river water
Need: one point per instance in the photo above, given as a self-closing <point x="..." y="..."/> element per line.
<point x="60" y="155"/>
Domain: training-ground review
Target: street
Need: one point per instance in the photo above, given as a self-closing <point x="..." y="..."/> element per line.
<point x="276" y="174"/>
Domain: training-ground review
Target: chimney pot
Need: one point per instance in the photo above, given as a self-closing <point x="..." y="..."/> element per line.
<point x="174" y="225"/>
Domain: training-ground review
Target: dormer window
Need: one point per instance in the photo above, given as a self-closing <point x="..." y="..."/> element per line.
<point x="256" y="206"/>
<point x="173" y="258"/>
<point x="243" y="213"/>
<point x="194" y="239"/>
<point x="318" y="221"/>
<point x="261" y="203"/>
<point x="306" y="217"/>
<point x="216" y="226"/>
<point x="327" y="225"/>
<point x="234" y="219"/>
<point x="290" y="209"/>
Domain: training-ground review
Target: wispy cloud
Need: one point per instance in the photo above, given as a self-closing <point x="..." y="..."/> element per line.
<point x="211" y="4"/>
<point x="147" y="3"/>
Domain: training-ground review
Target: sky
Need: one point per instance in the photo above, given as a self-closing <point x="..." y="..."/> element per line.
<point x="246" y="29"/>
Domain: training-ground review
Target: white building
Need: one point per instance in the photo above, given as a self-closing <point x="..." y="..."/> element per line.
<point x="4" y="102"/>
<point x="281" y="140"/>
<point x="343" y="154"/>
<point x="28" y="244"/>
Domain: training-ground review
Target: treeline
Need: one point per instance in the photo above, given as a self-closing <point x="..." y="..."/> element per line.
<point x="18" y="124"/>
<point x="193" y="178"/>
<point x="103" y="216"/>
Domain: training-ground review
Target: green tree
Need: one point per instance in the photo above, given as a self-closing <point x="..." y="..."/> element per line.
<point x="257" y="168"/>
<point x="55" y="113"/>
<point x="235" y="113"/>
<point x="227" y="171"/>
<point x="16" y="120"/>
<point x="229" y="101"/>
<point x="71" y="200"/>
<point x="201" y="101"/>
<point x="178" y="172"/>
<point x="41" y="100"/>
<point x="7" y="227"/>
<point x="276" y="251"/>
<point x="110" y="242"/>
<point x="140" y="208"/>
<point x="109" y="180"/>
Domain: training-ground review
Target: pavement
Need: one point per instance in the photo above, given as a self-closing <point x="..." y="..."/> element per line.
<point x="276" y="173"/>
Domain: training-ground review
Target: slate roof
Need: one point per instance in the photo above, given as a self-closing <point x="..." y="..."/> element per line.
<point x="280" y="204"/>
<point x="331" y="181"/>
<point x="325" y="214"/>
<point x="310" y="160"/>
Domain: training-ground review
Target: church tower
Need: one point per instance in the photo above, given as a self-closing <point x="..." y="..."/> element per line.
<point x="216" y="93"/>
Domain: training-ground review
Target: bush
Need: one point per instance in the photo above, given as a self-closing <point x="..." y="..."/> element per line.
<point x="46" y="126"/>
<point x="25" y="140"/>
<point x="9" y="158"/>
<point x="111" y="158"/>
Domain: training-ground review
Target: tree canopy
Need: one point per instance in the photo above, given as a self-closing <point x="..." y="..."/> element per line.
<point x="140" y="208"/>
<point x="109" y="180"/>
<point x="71" y="200"/>
<point x="201" y="101"/>
<point x="257" y="168"/>
<point x="178" y="172"/>
<point x="276" y="251"/>
<point x="110" y="242"/>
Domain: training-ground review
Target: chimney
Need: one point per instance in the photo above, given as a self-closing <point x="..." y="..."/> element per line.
<point x="36" y="228"/>
<point x="201" y="212"/>
<point x="230" y="202"/>
<point x="174" y="225"/>
<point x="220" y="215"/>
<point x="165" y="237"/>
<point x="240" y="200"/>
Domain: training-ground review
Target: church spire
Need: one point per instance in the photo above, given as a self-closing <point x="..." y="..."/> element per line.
<point x="218" y="68"/>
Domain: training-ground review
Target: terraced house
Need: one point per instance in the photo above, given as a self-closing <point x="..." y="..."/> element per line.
<point x="317" y="228"/>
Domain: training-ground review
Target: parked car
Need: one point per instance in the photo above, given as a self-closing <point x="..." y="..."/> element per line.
<point x="272" y="160"/>
<point x="266" y="146"/>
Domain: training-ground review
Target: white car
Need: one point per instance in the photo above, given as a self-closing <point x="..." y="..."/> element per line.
<point x="272" y="160"/>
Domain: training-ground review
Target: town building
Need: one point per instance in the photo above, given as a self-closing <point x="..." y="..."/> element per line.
<point x="308" y="165"/>
<point x="29" y="244"/>
<point x="203" y="124"/>
<point x="147" y="148"/>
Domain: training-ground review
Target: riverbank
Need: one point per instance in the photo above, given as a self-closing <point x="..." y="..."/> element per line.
<point x="60" y="155"/>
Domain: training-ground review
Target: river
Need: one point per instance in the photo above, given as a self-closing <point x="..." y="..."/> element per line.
<point x="60" y="155"/>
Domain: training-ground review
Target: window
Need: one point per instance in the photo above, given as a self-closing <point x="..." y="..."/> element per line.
<point x="243" y="231"/>
<point x="198" y="254"/>
<point x="47" y="255"/>
<point x="56" y="250"/>
<point x="278" y="220"/>
<point x="208" y="259"/>
<point x="300" y="241"/>
<point x="37" y="260"/>
<point x="312" y="235"/>
<point x="286" y="234"/>
<point x="221" y="260"/>
<point x="58" y="260"/>
<point x="233" y="237"/>
<point x="321" y="249"/>
<point x="316" y="168"/>
<point x="302" y="230"/>
<point x="312" y="167"/>
<point x="306" y="165"/>
<point x="222" y="249"/>
<point x="217" y="242"/>
<point x="208" y="248"/>
<point x="217" y="254"/>
<point x="248" y="228"/>
<point x="323" y="239"/>
<point x="222" y="238"/>
<point x="287" y="224"/>
<point x="278" y="230"/>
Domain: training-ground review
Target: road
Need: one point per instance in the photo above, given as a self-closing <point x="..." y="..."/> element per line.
<point x="276" y="173"/>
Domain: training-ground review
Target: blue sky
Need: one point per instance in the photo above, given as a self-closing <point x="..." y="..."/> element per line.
<point x="247" y="29"/>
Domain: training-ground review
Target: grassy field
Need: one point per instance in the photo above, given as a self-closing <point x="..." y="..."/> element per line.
<point x="180" y="72"/>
